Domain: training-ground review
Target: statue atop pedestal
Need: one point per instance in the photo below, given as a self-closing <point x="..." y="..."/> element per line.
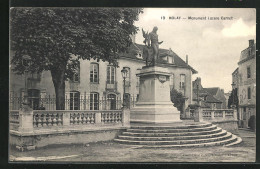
<point x="151" y="42"/>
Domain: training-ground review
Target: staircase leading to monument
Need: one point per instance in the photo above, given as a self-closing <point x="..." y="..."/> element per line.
<point x="177" y="135"/>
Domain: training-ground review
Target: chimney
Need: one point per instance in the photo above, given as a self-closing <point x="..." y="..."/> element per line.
<point x="198" y="81"/>
<point x="187" y="58"/>
<point x="251" y="42"/>
<point x="133" y="38"/>
<point x="222" y="90"/>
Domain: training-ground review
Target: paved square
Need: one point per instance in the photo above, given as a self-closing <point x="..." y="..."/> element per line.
<point x="114" y="152"/>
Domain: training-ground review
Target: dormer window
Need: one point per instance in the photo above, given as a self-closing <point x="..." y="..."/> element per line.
<point x="170" y="60"/>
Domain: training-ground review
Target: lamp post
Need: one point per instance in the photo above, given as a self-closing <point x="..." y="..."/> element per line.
<point x="26" y="64"/>
<point x="197" y="85"/>
<point x="124" y="74"/>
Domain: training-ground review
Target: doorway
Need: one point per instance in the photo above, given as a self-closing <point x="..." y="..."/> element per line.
<point x="111" y="101"/>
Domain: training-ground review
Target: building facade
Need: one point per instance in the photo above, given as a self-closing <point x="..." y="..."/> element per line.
<point x="99" y="85"/>
<point x="247" y="84"/>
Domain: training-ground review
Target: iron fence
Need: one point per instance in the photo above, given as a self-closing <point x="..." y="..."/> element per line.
<point x="83" y="102"/>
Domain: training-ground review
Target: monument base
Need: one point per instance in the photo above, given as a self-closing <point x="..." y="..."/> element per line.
<point x="154" y="104"/>
<point x="151" y="113"/>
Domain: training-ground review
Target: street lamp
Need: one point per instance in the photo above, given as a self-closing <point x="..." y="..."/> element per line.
<point x="197" y="85"/>
<point x="124" y="74"/>
<point x="26" y="63"/>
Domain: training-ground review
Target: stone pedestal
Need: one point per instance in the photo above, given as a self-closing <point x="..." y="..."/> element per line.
<point x="198" y="116"/>
<point x="26" y="119"/>
<point x="235" y="112"/>
<point x="154" y="104"/>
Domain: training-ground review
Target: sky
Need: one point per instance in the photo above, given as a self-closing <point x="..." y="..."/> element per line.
<point x="213" y="46"/>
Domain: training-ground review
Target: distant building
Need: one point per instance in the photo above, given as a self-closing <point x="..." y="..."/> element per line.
<point x="99" y="85"/>
<point x="247" y="84"/>
<point x="212" y="98"/>
<point x="219" y="94"/>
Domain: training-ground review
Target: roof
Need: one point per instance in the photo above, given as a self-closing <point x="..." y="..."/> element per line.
<point x="247" y="54"/>
<point x="235" y="71"/>
<point x="135" y="48"/>
<point x="204" y="104"/>
<point x="213" y="90"/>
<point x="209" y="97"/>
<point x="212" y="99"/>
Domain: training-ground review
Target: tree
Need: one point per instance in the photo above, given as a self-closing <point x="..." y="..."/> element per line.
<point x="57" y="38"/>
<point x="177" y="99"/>
<point x="232" y="96"/>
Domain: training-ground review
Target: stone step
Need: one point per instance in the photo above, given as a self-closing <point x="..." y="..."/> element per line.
<point x="187" y="126"/>
<point x="179" y="142"/>
<point x="238" y="140"/>
<point x="162" y="130"/>
<point x="225" y="142"/>
<point x="217" y="130"/>
<point x="169" y="138"/>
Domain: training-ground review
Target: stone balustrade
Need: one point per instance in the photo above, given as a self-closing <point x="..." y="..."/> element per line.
<point x="60" y="120"/>
<point x="43" y="118"/>
<point x="38" y="128"/>
<point x="218" y="114"/>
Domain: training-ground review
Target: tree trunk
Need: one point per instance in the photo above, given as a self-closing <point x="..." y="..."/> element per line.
<point x="58" y="78"/>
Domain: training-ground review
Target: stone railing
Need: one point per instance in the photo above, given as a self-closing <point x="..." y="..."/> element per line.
<point x="218" y="114"/>
<point x="43" y="118"/>
<point x="14" y="120"/>
<point x="34" y="121"/>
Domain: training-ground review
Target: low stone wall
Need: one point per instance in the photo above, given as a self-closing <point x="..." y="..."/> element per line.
<point x="229" y="125"/>
<point x="29" y="142"/>
<point x="30" y="129"/>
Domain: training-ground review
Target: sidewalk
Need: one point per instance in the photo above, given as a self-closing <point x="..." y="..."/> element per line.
<point x="114" y="152"/>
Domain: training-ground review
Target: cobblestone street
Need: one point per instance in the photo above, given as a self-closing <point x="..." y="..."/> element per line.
<point x="114" y="152"/>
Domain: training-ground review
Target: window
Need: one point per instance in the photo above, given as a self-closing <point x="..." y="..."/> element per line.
<point x="74" y="100"/>
<point x="172" y="81"/>
<point x="244" y="113"/>
<point x="76" y="77"/>
<point x="248" y="72"/>
<point x="137" y="81"/>
<point x="249" y="93"/>
<point x="94" y="73"/>
<point x="34" y="98"/>
<point x="182" y="81"/>
<point x="111" y="75"/>
<point x="94" y="100"/>
<point x="214" y="106"/>
<point x="127" y="98"/>
<point x="35" y="76"/>
<point x="170" y="60"/>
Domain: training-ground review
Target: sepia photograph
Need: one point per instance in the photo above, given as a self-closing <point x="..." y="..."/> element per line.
<point x="94" y="85"/>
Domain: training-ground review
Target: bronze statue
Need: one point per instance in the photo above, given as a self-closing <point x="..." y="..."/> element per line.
<point x="151" y="40"/>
